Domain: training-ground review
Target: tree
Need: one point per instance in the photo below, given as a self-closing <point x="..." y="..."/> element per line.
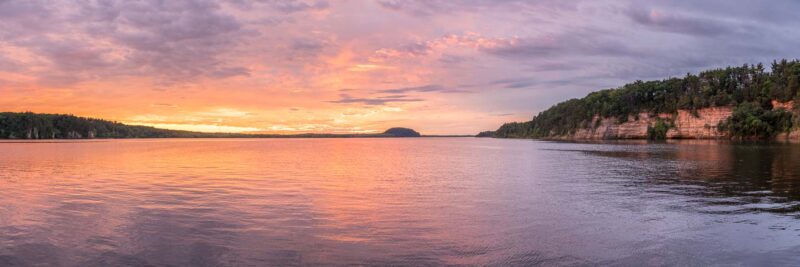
<point x="731" y="86"/>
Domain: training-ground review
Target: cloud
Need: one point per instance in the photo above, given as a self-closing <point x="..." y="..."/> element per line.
<point x="386" y="96"/>
<point x="438" y="7"/>
<point x="298" y="6"/>
<point x="24" y="18"/>
<point x="114" y="58"/>
<point x="776" y="13"/>
<point x="175" y="40"/>
<point x="681" y="23"/>
<point x="308" y="45"/>
<point x="368" y="68"/>
<point x="452" y="59"/>
<point x="164" y="105"/>
<point x="550" y="47"/>
<point x="422" y="89"/>
<point x="225" y="112"/>
<point x="528" y="82"/>
<point x="563" y="44"/>
<point x="515" y="83"/>
<point x="208" y="128"/>
<point x="450" y="41"/>
<point x="168" y="41"/>
<point x="286" y="6"/>
<point x="375" y="101"/>
<point x="8" y="64"/>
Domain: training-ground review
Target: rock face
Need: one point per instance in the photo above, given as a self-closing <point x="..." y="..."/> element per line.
<point x="686" y="125"/>
<point x="784" y="105"/>
<point x="610" y="128"/>
<point x="703" y="126"/>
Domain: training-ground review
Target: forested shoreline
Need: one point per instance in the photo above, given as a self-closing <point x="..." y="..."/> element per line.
<point x="749" y="89"/>
<point x="28" y="125"/>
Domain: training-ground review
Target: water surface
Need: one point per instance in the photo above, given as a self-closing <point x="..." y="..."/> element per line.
<point x="425" y="201"/>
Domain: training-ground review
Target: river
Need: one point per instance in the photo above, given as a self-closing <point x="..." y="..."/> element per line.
<point x="397" y="201"/>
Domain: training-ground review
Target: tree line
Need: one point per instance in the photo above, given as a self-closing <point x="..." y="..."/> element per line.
<point x="28" y="125"/>
<point x="750" y="89"/>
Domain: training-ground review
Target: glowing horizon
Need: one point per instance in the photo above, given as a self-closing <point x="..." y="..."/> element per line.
<point x="316" y="66"/>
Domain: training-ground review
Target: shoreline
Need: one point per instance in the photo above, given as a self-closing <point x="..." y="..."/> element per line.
<point x="662" y="141"/>
<point x="67" y="140"/>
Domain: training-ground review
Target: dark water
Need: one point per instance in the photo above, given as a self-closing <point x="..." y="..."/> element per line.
<point x="397" y="202"/>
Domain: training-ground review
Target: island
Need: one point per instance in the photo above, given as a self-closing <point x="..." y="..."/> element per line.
<point x="28" y="125"/>
<point x="741" y="103"/>
<point x="401" y="132"/>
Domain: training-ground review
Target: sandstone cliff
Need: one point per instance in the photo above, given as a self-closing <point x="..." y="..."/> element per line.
<point x="703" y="125"/>
<point x="793" y="135"/>
<point x="784" y="105"/>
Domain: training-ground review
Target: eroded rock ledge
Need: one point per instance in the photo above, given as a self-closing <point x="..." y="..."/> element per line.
<point x="686" y="125"/>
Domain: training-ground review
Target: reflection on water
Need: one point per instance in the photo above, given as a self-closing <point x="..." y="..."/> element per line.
<point x="724" y="178"/>
<point x="427" y="201"/>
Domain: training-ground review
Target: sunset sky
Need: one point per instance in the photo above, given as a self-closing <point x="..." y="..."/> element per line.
<point x="341" y="66"/>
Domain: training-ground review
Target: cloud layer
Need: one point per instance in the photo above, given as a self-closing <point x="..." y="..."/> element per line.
<point x="360" y="66"/>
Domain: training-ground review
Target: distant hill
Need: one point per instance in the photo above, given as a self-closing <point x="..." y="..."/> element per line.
<point x="744" y="102"/>
<point x="29" y="125"/>
<point x="401" y="132"/>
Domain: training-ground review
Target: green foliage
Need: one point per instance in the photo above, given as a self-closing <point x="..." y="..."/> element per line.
<point x="401" y="132"/>
<point x="730" y="86"/>
<point x="658" y="131"/>
<point x="750" y="120"/>
<point x="54" y="126"/>
<point x="514" y="130"/>
<point x="485" y="134"/>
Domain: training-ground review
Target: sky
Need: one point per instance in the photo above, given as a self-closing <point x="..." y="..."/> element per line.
<point x="358" y="66"/>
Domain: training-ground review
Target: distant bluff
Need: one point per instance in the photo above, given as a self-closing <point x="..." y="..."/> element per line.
<point x="741" y="103"/>
<point x="402" y="132"/>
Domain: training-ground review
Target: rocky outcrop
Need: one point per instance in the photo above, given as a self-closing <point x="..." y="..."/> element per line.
<point x="702" y="126"/>
<point x="783" y="105"/>
<point x="687" y="125"/>
<point x="610" y="128"/>
<point x="401" y="132"/>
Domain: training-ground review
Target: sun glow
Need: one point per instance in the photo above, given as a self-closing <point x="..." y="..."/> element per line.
<point x="208" y="128"/>
<point x="440" y="67"/>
